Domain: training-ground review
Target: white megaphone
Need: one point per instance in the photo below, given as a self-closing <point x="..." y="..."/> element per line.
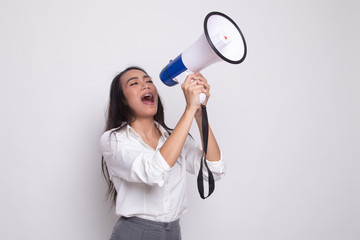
<point x="221" y="40"/>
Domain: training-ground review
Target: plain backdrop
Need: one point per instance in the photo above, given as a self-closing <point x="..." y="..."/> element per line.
<point x="287" y="119"/>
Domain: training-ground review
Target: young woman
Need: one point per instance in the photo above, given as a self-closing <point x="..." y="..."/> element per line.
<point x="145" y="162"/>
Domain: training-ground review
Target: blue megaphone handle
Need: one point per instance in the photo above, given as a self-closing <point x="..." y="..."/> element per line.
<point x="171" y="70"/>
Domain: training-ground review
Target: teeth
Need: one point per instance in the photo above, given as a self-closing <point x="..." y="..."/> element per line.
<point x="148" y="95"/>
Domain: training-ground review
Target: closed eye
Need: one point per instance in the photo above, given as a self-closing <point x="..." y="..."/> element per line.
<point x="134" y="83"/>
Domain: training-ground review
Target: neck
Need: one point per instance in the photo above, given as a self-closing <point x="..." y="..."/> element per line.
<point x="145" y="127"/>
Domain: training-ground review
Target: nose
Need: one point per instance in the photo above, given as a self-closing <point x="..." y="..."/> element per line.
<point x="145" y="86"/>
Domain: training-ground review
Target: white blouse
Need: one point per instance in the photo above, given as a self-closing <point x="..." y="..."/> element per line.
<point x="146" y="185"/>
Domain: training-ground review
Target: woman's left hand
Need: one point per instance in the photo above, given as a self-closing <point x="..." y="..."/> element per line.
<point x="201" y="80"/>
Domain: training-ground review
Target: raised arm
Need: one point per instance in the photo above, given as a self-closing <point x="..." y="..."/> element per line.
<point x="213" y="150"/>
<point x="174" y="144"/>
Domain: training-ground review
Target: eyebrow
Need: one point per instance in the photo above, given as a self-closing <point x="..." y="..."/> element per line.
<point x="136" y="78"/>
<point x="130" y="79"/>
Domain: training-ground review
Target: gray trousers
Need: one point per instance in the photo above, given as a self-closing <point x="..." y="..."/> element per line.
<point x="135" y="228"/>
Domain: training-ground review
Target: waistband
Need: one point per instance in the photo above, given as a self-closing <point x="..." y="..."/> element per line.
<point x="151" y="224"/>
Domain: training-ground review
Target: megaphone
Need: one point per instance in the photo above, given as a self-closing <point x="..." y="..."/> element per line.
<point x="222" y="40"/>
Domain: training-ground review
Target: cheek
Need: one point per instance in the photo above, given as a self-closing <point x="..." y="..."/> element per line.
<point x="130" y="98"/>
<point x="155" y="92"/>
<point x="132" y="103"/>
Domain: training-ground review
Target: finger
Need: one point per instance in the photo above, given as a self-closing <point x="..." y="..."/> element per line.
<point x="189" y="78"/>
<point x="200" y="76"/>
<point x="196" y="89"/>
<point x="202" y="81"/>
<point x="205" y="85"/>
<point x="206" y="91"/>
<point x="207" y="97"/>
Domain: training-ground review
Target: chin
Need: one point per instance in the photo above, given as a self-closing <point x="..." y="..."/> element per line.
<point x="150" y="112"/>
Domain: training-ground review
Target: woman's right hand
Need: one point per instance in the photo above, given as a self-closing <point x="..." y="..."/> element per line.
<point x="173" y="146"/>
<point x="192" y="87"/>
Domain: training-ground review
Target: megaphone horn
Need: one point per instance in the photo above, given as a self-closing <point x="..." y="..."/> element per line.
<point x="222" y="40"/>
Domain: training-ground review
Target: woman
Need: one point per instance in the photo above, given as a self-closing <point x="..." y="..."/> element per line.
<point x="145" y="166"/>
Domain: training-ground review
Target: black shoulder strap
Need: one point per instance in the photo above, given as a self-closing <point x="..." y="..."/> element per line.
<point x="205" y="136"/>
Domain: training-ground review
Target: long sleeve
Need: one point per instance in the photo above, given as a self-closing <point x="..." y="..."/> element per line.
<point x="193" y="155"/>
<point x="146" y="186"/>
<point x="128" y="160"/>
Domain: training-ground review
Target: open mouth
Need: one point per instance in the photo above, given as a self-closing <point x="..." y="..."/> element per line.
<point x="147" y="98"/>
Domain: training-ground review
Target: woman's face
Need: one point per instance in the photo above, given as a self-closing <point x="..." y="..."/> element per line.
<point x="140" y="93"/>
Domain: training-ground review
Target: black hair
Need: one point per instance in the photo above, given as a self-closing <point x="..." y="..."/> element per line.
<point x="119" y="115"/>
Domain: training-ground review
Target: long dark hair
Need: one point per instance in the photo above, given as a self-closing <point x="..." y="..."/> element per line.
<point x="119" y="115"/>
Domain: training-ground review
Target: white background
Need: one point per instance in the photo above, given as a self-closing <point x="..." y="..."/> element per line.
<point x="287" y="118"/>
